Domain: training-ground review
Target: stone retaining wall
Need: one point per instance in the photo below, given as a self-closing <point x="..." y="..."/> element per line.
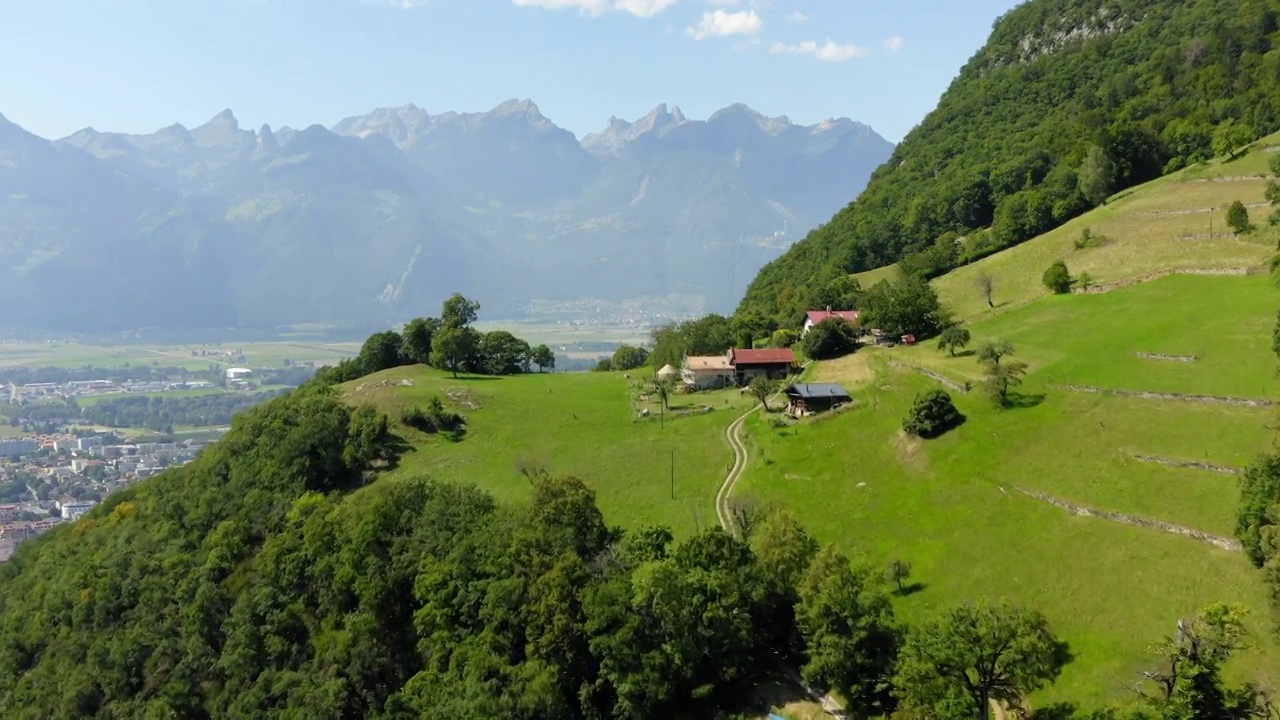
<point x="1162" y="356"/>
<point x="1188" y="464"/>
<point x="939" y="377"/>
<point x="1107" y="287"/>
<point x="1215" y="540"/>
<point x="1215" y="399"/>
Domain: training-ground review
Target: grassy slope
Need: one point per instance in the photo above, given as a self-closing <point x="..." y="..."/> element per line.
<point x="1144" y="227"/>
<point x="949" y="506"/>
<point x="581" y="424"/>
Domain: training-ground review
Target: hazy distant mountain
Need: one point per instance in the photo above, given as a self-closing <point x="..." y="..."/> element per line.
<point x="384" y="215"/>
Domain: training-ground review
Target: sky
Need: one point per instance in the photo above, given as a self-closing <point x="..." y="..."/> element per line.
<point x="139" y="65"/>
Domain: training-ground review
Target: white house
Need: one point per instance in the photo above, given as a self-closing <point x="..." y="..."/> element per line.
<point x="238" y="373"/>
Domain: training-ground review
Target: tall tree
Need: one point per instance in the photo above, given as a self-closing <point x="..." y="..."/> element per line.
<point x="629" y="357"/>
<point x="761" y="388"/>
<point x="544" y="358"/>
<point x="379" y="352"/>
<point x="987" y="286"/>
<point x="955" y="664"/>
<point x="1097" y="175"/>
<point x="502" y="353"/>
<point x="458" y="311"/>
<point x="1188" y="680"/>
<point x="846" y="619"/>
<point x="452" y="347"/>
<point x="415" y="345"/>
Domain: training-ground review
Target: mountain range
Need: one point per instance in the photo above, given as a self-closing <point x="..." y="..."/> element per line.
<point x="383" y="215"/>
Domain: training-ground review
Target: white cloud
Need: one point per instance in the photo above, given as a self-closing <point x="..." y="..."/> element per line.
<point x="639" y="8"/>
<point x="798" y="17"/>
<point x="827" y="52"/>
<point x="722" y="23"/>
<point x="893" y="44"/>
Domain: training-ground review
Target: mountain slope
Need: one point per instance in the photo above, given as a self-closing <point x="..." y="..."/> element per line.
<point x="1175" y="224"/>
<point x="1149" y="82"/>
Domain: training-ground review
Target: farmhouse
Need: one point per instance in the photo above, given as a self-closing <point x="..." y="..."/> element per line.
<point x="807" y="398"/>
<point x="772" y="364"/>
<point x="813" y="317"/>
<point x="705" y="372"/>
<point x="238" y="373"/>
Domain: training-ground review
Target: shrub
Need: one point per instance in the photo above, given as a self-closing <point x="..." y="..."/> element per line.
<point x="1057" y="278"/>
<point x="435" y="418"/>
<point x="931" y="414"/>
<point x="830" y="338"/>
<point x="1088" y="240"/>
<point x="1238" y="218"/>
<point x="783" y="338"/>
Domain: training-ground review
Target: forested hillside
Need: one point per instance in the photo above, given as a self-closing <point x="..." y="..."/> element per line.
<point x="1068" y="102"/>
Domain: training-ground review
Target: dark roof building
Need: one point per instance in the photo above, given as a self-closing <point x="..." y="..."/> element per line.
<point x="803" y="398"/>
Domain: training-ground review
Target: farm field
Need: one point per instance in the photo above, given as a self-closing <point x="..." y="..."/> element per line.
<point x="1163" y="225"/>
<point x="257" y="354"/>
<point x="583" y="424"/>
<point x="954" y="508"/>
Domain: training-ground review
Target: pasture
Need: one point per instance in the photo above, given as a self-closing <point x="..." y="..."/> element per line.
<point x="1174" y="223"/>
<point x="583" y="424"/>
<point x="955" y="507"/>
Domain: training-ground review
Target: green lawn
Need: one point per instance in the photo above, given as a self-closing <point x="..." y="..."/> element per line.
<point x="582" y="424"/>
<point x="951" y="507"/>
<point x="1226" y="322"/>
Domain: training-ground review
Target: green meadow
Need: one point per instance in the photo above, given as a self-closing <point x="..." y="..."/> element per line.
<point x="584" y="424"/>
<point x="953" y="506"/>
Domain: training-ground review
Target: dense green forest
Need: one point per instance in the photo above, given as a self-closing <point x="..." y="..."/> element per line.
<point x="1069" y="101"/>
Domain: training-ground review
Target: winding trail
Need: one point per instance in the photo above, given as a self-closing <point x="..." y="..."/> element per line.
<point x="733" y="434"/>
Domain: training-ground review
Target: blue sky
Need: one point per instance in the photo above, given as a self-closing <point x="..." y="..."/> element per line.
<point x="138" y="65"/>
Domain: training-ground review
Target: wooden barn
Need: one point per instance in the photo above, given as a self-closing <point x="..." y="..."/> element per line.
<point x="808" y="398"/>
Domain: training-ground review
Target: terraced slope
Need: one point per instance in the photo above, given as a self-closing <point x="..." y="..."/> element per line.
<point x="991" y="507"/>
<point x="1175" y="223"/>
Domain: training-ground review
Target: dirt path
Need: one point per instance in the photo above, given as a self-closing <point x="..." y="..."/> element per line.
<point x="733" y="434"/>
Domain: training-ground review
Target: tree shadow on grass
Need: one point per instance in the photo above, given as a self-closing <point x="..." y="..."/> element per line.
<point x="1023" y="400"/>
<point x="1056" y="711"/>
<point x="910" y="589"/>
<point x="963" y="354"/>
<point x="960" y="420"/>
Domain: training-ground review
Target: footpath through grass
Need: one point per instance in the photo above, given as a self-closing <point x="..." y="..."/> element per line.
<point x="952" y="506"/>
<point x="582" y="424"/>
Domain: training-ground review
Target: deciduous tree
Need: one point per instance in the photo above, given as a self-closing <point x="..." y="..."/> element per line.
<point x="1097" y="176"/>
<point x="955" y="337"/>
<point x="415" y="344"/>
<point x="452" y="347"/>
<point x="846" y="619"/>
<point x="987" y="286"/>
<point x="544" y="358"/>
<point x="955" y="664"/>
<point x="1057" y="278"/>
<point x="459" y="312"/>
<point x="761" y="388"/>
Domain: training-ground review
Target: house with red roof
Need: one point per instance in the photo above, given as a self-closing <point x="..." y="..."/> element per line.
<point x="769" y="363"/>
<point x="813" y="317"/>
